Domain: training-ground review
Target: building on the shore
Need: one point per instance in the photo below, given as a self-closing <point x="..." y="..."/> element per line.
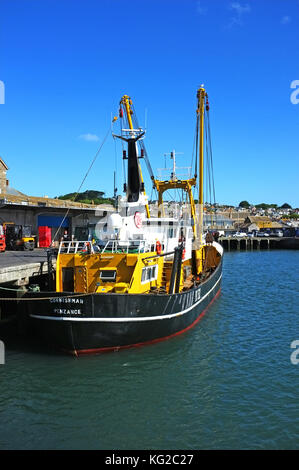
<point x="258" y="223"/>
<point x="59" y="215"/>
<point x="3" y="180"/>
<point x="218" y="221"/>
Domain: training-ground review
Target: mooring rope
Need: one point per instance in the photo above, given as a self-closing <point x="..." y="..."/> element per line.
<point x="17" y="299"/>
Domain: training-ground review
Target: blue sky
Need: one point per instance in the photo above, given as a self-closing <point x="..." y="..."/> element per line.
<point x="66" y="63"/>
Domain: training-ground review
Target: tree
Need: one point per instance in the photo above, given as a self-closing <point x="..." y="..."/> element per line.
<point x="286" y="206"/>
<point x="262" y="205"/>
<point x="86" y="197"/>
<point x="244" y="204"/>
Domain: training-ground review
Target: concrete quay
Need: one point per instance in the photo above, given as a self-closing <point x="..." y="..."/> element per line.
<point x="16" y="267"/>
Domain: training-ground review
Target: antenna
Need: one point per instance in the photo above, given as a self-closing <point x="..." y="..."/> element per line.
<point x="176" y="173"/>
<point x="172" y="156"/>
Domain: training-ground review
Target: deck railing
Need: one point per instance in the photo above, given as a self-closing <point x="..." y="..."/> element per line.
<point x="74" y="247"/>
<point x="126" y="246"/>
<point x="112" y="246"/>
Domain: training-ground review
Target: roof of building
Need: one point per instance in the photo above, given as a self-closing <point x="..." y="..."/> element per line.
<point x="14" y="192"/>
<point x="2" y="162"/>
<point x="12" y="196"/>
<point x="253" y="225"/>
<point x="257" y="218"/>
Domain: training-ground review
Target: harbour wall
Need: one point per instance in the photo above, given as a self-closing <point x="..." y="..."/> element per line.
<point x="258" y="243"/>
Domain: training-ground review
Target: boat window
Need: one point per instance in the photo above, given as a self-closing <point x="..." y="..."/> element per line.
<point x="149" y="273"/>
<point x="108" y="275"/>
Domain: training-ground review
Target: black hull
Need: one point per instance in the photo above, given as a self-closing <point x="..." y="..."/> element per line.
<point x="92" y="323"/>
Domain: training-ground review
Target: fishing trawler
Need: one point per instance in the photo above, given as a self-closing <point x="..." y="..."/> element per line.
<point x="148" y="278"/>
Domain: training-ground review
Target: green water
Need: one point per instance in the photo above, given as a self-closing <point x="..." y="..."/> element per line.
<point x="228" y="383"/>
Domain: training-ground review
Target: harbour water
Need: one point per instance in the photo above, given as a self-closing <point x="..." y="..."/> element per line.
<point x="229" y="383"/>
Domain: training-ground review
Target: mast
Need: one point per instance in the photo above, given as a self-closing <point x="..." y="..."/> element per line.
<point x="127" y="103"/>
<point x="201" y="95"/>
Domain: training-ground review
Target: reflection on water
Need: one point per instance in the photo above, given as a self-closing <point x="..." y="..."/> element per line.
<point x="227" y="383"/>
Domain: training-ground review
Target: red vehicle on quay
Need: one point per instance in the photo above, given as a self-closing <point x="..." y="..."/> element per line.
<point x="2" y="239"/>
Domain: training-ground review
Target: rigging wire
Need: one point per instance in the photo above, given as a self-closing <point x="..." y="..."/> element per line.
<point x="209" y="188"/>
<point x="142" y="146"/>
<point x="210" y="170"/>
<point x="115" y="175"/>
<point x="211" y="153"/>
<point x="86" y="174"/>
<point x="122" y="115"/>
<point x="193" y="152"/>
<point x="196" y="143"/>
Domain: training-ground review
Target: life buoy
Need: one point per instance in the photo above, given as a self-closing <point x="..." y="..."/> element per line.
<point x="86" y="248"/>
<point x="158" y="247"/>
<point x="138" y="219"/>
<point x="184" y="254"/>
